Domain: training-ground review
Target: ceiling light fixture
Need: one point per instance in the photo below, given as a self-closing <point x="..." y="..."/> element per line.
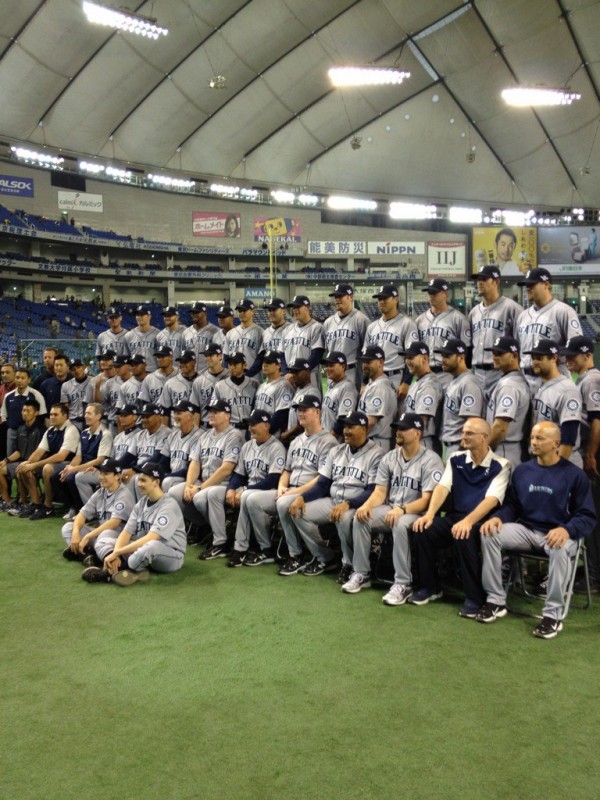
<point x="283" y="197"/>
<point x="465" y="215"/>
<point x="113" y="18"/>
<point x="171" y="183"/>
<point x="366" y="76"/>
<point x="43" y="159"/>
<point x="339" y="203"/>
<point x="412" y="211"/>
<point x="538" y="96"/>
<point x="94" y="169"/>
<point x="218" y="82"/>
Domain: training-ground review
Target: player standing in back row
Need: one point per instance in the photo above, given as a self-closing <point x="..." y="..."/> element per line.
<point x="344" y="331"/>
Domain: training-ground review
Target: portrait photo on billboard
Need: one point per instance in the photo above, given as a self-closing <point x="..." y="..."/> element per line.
<point x="569" y="249"/>
<point x="216" y="224"/>
<point x="513" y="250"/>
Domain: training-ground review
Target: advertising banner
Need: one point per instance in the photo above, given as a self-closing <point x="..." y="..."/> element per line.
<point x="277" y="229"/>
<point x="513" y="250"/>
<point x="217" y="224"/>
<point x="396" y="248"/>
<point x="569" y="250"/>
<point x="18" y="187"/>
<point x="446" y="260"/>
<point x="80" y="201"/>
<point x="337" y="248"/>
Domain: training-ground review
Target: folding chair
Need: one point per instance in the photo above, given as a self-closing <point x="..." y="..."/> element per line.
<point x="517" y="577"/>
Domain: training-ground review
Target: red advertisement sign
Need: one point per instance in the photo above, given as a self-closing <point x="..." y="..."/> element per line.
<point x="216" y="224"/>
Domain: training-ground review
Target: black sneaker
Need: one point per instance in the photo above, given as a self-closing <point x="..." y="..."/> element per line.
<point x="262" y="557"/>
<point x="92" y="560"/>
<point x="490" y="612"/>
<point x="70" y="555"/>
<point x="236" y="559"/>
<point x="292" y="565"/>
<point x="345" y="573"/>
<point x="317" y="567"/>
<point x="541" y="588"/>
<point x="42" y="512"/>
<point x="95" y="575"/>
<point x="215" y="551"/>
<point x="27" y="511"/>
<point x="469" y="610"/>
<point x="548" y="628"/>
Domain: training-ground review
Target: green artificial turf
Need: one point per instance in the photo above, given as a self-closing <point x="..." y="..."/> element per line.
<point x="220" y="683"/>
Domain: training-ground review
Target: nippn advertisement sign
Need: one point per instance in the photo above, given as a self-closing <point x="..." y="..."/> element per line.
<point x="80" y="201"/>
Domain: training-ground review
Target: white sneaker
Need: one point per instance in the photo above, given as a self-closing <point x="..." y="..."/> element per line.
<point x="356" y="583"/>
<point x="397" y="595"/>
<point x="71" y="514"/>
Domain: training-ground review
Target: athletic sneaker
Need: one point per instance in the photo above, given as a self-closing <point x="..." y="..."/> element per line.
<point x="345" y="574"/>
<point x="236" y="559"/>
<point x="15" y="511"/>
<point x="262" y="557"/>
<point x="424" y="596"/>
<point x="214" y="551"/>
<point x="92" y="561"/>
<point x="548" y="628"/>
<point x="42" y="512"/>
<point x="542" y="587"/>
<point x="490" y="612"/>
<point x="5" y="506"/>
<point x="397" y="595"/>
<point x="292" y="565"/>
<point x="70" y="555"/>
<point x="71" y="514"/>
<point x="127" y="577"/>
<point x="357" y="582"/>
<point x="95" y="575"/>
<point x="317" y="567"/>
<point x="25" y="511"/>
<point x="469" y="610"/>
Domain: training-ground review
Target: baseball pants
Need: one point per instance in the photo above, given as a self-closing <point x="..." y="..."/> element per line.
<point x="318" y="513"/>
<point x="361" y="537"/>
<point x="87" y="483"/>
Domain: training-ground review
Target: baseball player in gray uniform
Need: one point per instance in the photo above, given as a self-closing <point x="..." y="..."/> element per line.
<point x="304" y="338"/>
<point x="177" y="449"/>
<point x="393" y="332"/>
<point x="246" y="337"/>
<point x="199" y="334"/>
<point x="424" y="395"/>
<point x="212" y="462"/>
<point x="142" y="339"/>
<point x="344" y="332"/>
<point x="145" y="447"/>
<point x="274" y="395"/>
<point x="300" y="377"/>
<point x="509" y="405"/>
<point x="179" y="387"/>
<point x="261" y="463"/>
<point x="344" y="484"/>
<point x="341" y="396"/>
<point x="172" y="334"/>
<point x="463" y="396"/>
<point x="557" y="400"/>
<point x="238" y="390"/>
<point x="225" y="321"/>
<point x="306" y="455"/>
<point x="203" y="386"/>
<point x="74" y="391"/>
<point x="274" y="335"/>
<point x="113" y="338"/>
<point x="546" y="318"/>
<point x="97" y="525"/>
<point x="579" y="352"/>
<point x="153" y="537"/>
<point x="439" y="323"/>
<point x="495" y="316"/>
<point x="130" y="390"/>
<point x="110" y="390"/>
<point x="404" y="483"/>
<point x="377" y="398"/>
<point x="154" y="384"/>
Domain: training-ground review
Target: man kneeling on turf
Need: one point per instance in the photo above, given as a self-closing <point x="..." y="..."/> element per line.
<point x="109" y="508"/>
<point x="548" y="508"/>
<point x="154" y="536"/>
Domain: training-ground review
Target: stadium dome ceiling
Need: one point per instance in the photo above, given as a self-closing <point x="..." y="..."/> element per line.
<point x="445" y="133"/>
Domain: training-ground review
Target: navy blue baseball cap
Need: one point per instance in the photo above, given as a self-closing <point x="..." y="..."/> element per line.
<point x="142" y="310"/>
<point x="299" y="301"/>
<point x="273" y="357"/>
<point x="298" y="365"/>
<point x="107" y="354"/>
<point x="109" y="465"/>
<point x="125" y="411"/>
<point x="387" y="290"/>
<point x="236" y="358"/>
<point x="169" y="311"/>
<point x="220" y="405"/>
<point x="490" y="271"/>
<point x="137" y="359"/>
<point x="259" y="416"/>
<point x="225" y="311"/>
<point x="163" y="351"/>
<point x="112" y="312"/>
<point x="436" y="285"/>
<point x="335" y="357"/>
<point x="578" y="345"/>
<point x="543" y="347"/>
<point x="213" y="349"/>
<point x="503" y="344"/>
<point x="77" y="363"/>
<point x="151" y="469"/>
<point x="452" y="347"/>
<point x="198" y="306"/>
<point x="356" y="418"/>
<point x="187" y="355"/>
<point x="307" y="401"/>
<point x="245" y="305"/>
<point x="185" y="405"/>
<point x="407" y="421"/>
<point x="149" y="410"/>
<point x="275" y="303"/>
<point x="342" y="290"/>
<point x="120" y="361"/>
<point x="372" y="352"/>
<point x="537" y="275"/>
<point x="417" y="349"/>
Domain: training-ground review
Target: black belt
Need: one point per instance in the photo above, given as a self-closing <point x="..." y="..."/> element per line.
<point x="483" y="366"/>
<point x="391" y="372"/>
<point x="451" y="444"/>
<point x="436" y="369"/>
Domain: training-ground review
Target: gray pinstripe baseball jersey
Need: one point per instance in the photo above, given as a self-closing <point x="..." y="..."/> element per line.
<point x="129" y="392"/>
<point x="176" y="390"/>
<point x="424" y="397"/>
<point x="511" y="400"/>
<point x="109" y="396"/>
<point x="123" y="441"/>
<point x="556" y="320"/>
<point x="178" y="448"/>
<point x="213" y="448"/>
<point x="153" y="385"/>
<point x="589" y="388"/>
<point x="172" y="339"/>
<point x="394" y="336"/>
<point x="198" y="339"/>
<point x="107" y="340"/>
<point x="74" y="392"/>
<point x="559" y="401"/>
<point x="293" y="415"/>
<point x="490" y="322"/>
<point x="407" y="480"/>
<point x="339" y="400"/>
<point x="146" y="446"/>
<point x="346" y="334"/>
<point x="306" y="456"/>
<point x="463" y="399"/>
<point x="435" y="329"/>
<point x="244" y="340"/>
<point x="240" y="396"/>
<point x="273" y="338"/>
<point x="259" y="460"/>
<point x="300" y="340"/>
<point x="378" y="399"/>
<point x="104" y="505"/>
<point x="142" y="343"/>
<point x="350" y="472"/>
<point x="273" y="396"/>
<point x="202" y="389"/>
<point x="162" y="517"/>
